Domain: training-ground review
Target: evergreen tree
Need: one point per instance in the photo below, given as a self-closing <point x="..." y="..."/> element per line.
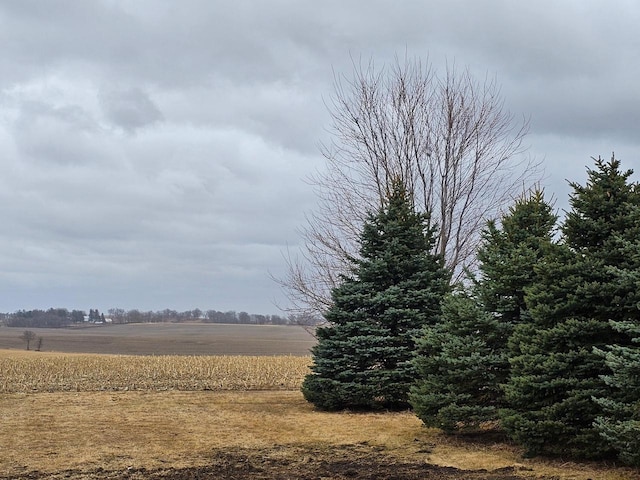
<point x="509" y="253"/>
<point x="363" y="358"/>
<point x="462" y="361"/>
<point x="460" y="364"/>
<point x="555" y="372"/>
<point x="620" y="423"/>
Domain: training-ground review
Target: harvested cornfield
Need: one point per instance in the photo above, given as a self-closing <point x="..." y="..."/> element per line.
<point x="86" y="373"/>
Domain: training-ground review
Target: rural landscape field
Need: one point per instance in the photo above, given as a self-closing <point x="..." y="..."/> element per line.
<point x="168" y="339"/>
<point x="216" y="401"/>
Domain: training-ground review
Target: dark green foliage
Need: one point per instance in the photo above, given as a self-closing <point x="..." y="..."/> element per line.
<point x="462" y="361"/>
<point x="620" y="423"/>
<point x="363" y="358"/>
<point x="603" y="211"/>
<point x="555" y="371"/>
<point x="509" y="254"/>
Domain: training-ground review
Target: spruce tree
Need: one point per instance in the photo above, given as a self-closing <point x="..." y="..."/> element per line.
<point x="363" y="357"/>
<point x="509" y="253"/>
<point x="619" y="424"/>
<point x="460" y="365"/>
<point x="555" y="371"/>
<point x="462" y="361"/>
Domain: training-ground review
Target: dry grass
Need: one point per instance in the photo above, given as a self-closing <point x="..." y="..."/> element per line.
<point x="116" y="429"/>
<point x="52" y="372"/>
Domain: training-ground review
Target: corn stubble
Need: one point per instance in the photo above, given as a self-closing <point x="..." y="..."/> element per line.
<point x="87" y="373"/>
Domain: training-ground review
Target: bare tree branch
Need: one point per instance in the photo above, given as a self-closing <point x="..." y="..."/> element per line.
<point x="449" y="139"/>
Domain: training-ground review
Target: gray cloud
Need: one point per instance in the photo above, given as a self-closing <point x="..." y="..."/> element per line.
<point x="129" y="109"/>
<point x="153" y="154"/>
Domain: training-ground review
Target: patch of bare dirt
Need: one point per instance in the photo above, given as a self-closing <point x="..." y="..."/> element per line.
<point x="304" y="463"/>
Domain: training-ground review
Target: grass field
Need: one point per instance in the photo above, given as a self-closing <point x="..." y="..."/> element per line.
<point x="87" y="417"/>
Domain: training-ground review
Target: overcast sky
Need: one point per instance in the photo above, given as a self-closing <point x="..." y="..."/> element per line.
<point x="153" y="153"/>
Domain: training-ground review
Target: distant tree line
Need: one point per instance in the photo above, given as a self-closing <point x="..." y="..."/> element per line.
<point x="118" y="315"/>
<point x="62" y="317"/>
<point x="51" y="318"/>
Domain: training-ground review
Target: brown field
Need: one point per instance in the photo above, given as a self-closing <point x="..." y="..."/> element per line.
<point x="168" y="339"/>
<point x="88" y="417"/>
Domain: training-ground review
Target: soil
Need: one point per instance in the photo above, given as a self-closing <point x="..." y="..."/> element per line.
<point x="358" y="462"/>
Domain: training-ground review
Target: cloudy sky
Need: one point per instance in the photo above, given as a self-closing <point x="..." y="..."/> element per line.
<point x="153" y="153"/>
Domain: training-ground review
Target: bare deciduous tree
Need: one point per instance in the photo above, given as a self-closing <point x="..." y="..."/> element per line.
<point x="448" y="138"/>
<point x="28" y="336"/>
